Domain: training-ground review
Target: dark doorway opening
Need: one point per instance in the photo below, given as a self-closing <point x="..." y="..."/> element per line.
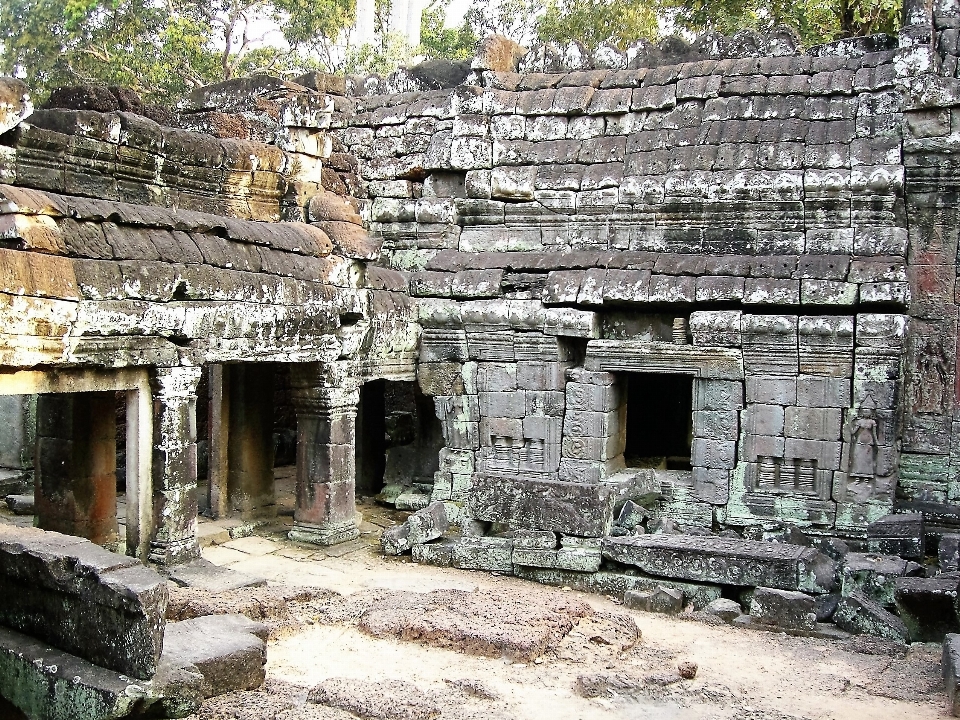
<point x="659" y="420"/>
<point x="398" y="440"/>
<point x="371" y="438"/>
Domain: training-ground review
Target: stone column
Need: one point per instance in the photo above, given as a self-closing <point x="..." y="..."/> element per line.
<point x="175" y="465"/>
<point x="326" y="466"/>
<point x="76" y="465"/>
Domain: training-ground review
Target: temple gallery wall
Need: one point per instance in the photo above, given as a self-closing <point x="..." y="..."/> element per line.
<point x="680" y="319"/>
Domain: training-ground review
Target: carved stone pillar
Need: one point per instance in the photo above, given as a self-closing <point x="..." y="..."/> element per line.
<point x="326" y="466"/>
<point x="175" y="465"/>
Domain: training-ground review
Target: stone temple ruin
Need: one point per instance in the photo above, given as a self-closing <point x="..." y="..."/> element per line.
<point x="677" y="324"/>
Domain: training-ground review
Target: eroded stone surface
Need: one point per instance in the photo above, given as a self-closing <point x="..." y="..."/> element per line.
<point x="518" y="626"/>
<point x="725" y="560"/>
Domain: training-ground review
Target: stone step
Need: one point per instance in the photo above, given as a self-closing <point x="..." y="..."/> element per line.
<point x="229" y="651"/>
<point x="205" y="575"/>
<point x="727" y="561"/>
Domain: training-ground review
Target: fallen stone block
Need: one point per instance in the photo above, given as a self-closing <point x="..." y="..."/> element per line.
<point x="726" y="561"/>
<point x="50" y="684"/>
<point x="783" y="608"/>
<point x="204" y="575"/>
<point x="101" y="606"/>
<point x="874" y="575"/>
<point x="724" y="609"/>
<point x="899" y="534"/>
<point x="659" y="600"/>
<point x="494" y="554"/>
<point x="950" y="664"/>
<point x="826" y="606"/>
<point x="616" y="584"/>
<point x="412" y="500"/>
<point x="229" y="651"/>
<point x="631" y="515"/>
<point x="534" y="539"/>
<point x="439" y="553"/>
<point x="424" y="525"/>
<point x="823" y="631"/>
<point x="858" y="614"/>
<point x="928" y="607"/>
<point x="948" y="552"/>
<point x="20" y="504"/>
<point x="584" y="509"/>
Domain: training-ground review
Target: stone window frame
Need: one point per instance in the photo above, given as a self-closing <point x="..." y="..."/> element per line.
<point x="710" y="457"/>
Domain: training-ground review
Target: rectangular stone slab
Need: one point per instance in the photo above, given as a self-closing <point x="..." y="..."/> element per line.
<point x="582" y="509"/>
<point x="727" y="561"/>
<point x="101" y="606"/>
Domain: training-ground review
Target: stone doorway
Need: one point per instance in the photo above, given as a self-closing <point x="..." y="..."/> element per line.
<point x="398" y="442"/>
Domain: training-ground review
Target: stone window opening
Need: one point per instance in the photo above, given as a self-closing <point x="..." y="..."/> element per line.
<point x="659" y="425"/>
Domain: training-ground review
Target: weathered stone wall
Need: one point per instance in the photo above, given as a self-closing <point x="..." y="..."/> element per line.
<point x="127" y="245"/>
<point x="756" y="222"/>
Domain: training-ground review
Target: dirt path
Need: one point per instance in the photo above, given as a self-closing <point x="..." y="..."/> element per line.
<point x="743" y="674"/>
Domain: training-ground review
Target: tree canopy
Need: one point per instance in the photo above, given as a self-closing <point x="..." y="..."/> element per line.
<point x="163" y="48"/>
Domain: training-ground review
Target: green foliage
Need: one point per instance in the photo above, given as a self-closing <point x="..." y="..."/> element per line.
<point x="590" y="22"/>
<point x="815" y="21"/>
<point x="382" y="59"/>
<point x="162" y="48"/>
<point x="438" y="41"/>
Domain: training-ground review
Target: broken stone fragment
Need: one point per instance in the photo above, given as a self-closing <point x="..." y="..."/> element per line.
<point x="687" y="670"/>
<point x="950" y="664"/>
<point x="229" y="651"/>
<point x="900" y="534"/>
<point x="928" y="606"/>
<point x="659" y="600"/>
<point x="859" y="614"/>
<point x="874" y="575"/>
<point x="50" y="684"/>
<point x="948" y="552"/>
<point x="20" y="504"/>
<point x="783" y="608"/>
<point x="421" y="527"/>
<point x="101" y="606"/>
<point x="724" y="608"/>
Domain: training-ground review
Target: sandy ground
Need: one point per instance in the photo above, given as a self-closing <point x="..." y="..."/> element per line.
<point x="743" y="674"/>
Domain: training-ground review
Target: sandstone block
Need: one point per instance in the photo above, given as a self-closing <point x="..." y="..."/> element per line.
<point x="859" y="614"/>
<point x="725" y="560"/>
<point x="783" y="608"/>
<point x="103" y="607"/>
<point x="421" y="527"/>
